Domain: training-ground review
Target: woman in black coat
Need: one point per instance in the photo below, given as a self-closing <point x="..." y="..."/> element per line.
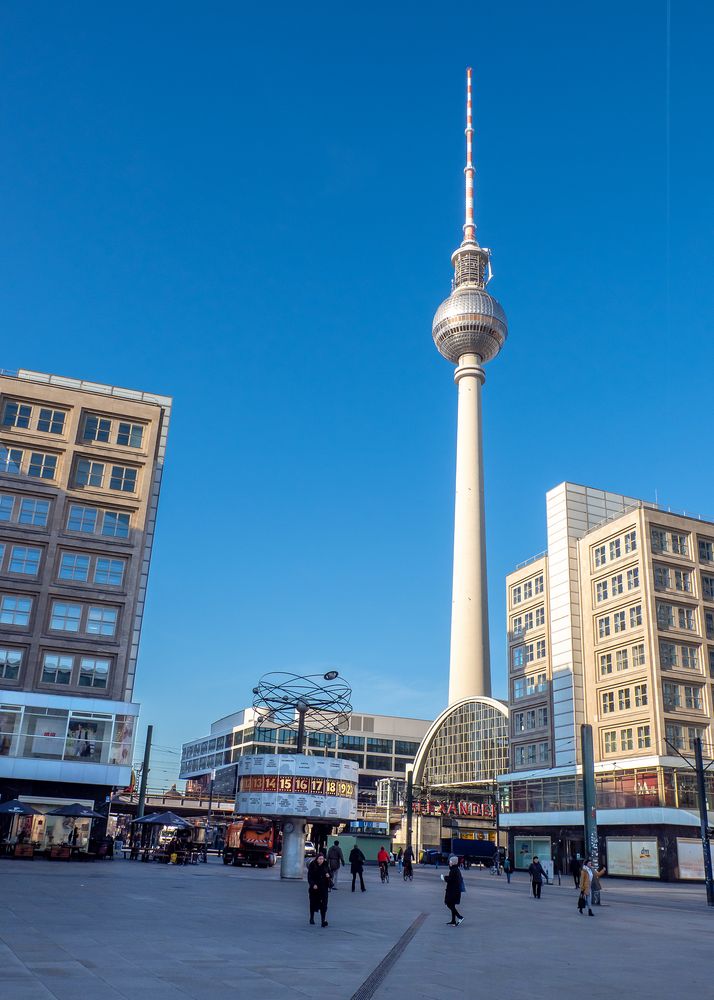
<point x="452" y="896"/>
<point x="357" y="860"/>
<point x="318" y="887"/>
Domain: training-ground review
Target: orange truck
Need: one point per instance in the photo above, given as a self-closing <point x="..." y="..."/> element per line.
<point x="252" y="841"/>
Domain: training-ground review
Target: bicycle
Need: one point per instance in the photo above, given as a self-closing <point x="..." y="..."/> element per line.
<point x="384" y="871"/>
<point x="408" y="871"/>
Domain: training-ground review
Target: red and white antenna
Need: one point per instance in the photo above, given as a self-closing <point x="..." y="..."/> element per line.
<point x="469" y="224"/>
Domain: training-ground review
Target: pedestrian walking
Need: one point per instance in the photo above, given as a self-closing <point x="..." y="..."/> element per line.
<point x="575" y="867"/>
<point x="454" y="887"/>
<point x="537" y="873"/>
<point x="318" y="886"/>
<point x="596" y="887"/>
<point x="586" y="885"/>
<point x="335" y="860"/>
<point x="400" y="857"/>
<point x="357" y="860"/>
<point x="507" y="868"/>
<point x="408" y="863"/>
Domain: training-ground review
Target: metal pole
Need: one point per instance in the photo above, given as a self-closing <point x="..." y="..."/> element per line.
<point x="410" y="804"/>
<point x="208" y="815"/>
<point x="704" y="820"/>
<point x="144" y="773"/>
<point x="592" y="849"/>
<point x="301" y="728"/>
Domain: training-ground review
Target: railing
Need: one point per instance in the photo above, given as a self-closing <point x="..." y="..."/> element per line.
<point x="535" y="558"/>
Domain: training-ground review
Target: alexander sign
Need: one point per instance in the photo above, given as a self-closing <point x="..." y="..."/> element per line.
<point x="477" y="810"/>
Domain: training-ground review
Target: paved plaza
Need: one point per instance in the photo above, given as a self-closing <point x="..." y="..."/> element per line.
<point x="118" y="930"/>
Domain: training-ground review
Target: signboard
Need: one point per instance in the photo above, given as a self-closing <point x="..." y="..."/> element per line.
<point x="636" y="857"/>
<point x="435" y="807"/>
<point x="690" y="858"/>
<point x="527" y="848"/>
<point x="297" y="785"/>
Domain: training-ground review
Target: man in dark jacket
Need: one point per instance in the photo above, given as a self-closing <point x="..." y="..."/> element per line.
<point x="537" y="873"/>
<point x="357" y="860"/>
<point x="452" y="896"/>
<point x="335" y="859"/>
<point x="318" y="886"/>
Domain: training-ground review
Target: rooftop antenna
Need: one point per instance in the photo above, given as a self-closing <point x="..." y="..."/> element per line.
<point x="469" y="224"/>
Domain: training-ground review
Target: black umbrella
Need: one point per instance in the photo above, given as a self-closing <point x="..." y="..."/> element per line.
<point x="163" y="819"/>
<point x="16" y="808"/>
<point x="76" y="811"/>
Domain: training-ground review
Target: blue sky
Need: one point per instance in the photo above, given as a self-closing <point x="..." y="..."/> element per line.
<point x="253" y="211"/>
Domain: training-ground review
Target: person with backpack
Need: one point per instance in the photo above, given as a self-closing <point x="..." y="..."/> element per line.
<point x="508" y="869"/>
<point x="454" y="887"/>
<point x="537" y="873"/>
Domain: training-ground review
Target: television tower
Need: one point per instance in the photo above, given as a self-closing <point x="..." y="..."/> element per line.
<point x="469" y="329"/>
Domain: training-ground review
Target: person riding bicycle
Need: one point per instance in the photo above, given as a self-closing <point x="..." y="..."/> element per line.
<point x="383" y="861"/>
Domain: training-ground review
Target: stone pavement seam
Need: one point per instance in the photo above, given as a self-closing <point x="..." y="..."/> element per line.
<point x="369" y="987"/>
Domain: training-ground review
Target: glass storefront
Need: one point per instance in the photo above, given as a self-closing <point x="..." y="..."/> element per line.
<point x="38" y="732"/>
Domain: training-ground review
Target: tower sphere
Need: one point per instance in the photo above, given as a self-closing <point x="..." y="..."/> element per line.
<point x="470" y="321"/>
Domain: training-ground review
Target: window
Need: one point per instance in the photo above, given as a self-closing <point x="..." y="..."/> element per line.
<point x="65" y="617"/>
<point x="10" y="663"/>
<point x="34" y="512"/>
<point x="109" y="572"/>
<point x="93" y="672"/>
<point x="616" y="584"/>
<point x="706" y="550"/>
<point x="603" y="627"/>
<point x="530" y="685"/>
<point x="517" y="625"/>
<point x="708" y="587"/>
<point x="615" y="548"/>
<point x="619" y="621"/>
<point x="711" y="662"/>
<point x="115" y="525"/>
<point x="528" y="648"/>
<point x="640" y="695"/>
<point x="540" y="682"/>
<point x="601" y="591"/>
<point x="531" y="719"/>
<point x="623" y="699"/>
<point x="74" y="567"/>
<point x="665" y="615"/>
<point x="89" y="473"/>
<point x="51" y="421"/>
<point x="538" y="584"/>
<point x="692" y="696"/>
<point x="130" y="435"/>
<point x="662" y="578"/>
<point x="606" y="663"/>
<point x="123" y="479"/>
<point x="679" y="543"/>
<point x="528" y="620"/>
<point x="540" y="616"/>
<point x="376" y="745"/>
<point x="519" y="688"/>
<point x="406" y="747"/>
<point x="626" y="741"/>
<point x="643" y="738"/>
<point x="57" y="668"/>
<point x="674" y="736"/>
<point x="96" y="429"/>
<point x="7" y="503"/>
<point x="638" y="655"/>
<point x="15" y="610"/>
<point x="25" y="560"/>
<point x="610" y="737"/>
<point x="378" y="763"/>
<point x="517" y="595"/>
<point x="693" y="733"/>
<point x="42" y="466"/>
<point x="82" y="519"/>
<point x="527" y="590"/>
<point x="10" y="460"/>
<point x="599" y="555"/>
<point x="709" y="624"/>
<point x="659" y="540"/>
<point x="667" y="655"/>
<point x="621" y="659"/>
<point x="670" y="695"/>
<point x="631" y="541"/>
<point x="540" y="649"/>
<point x="683" y="580"/>
<point x="543" y="752"/>
<point x="635" y="615"/>
<point x="16" y="415"/>
<point x="102" y="621"/>
<point x="542" y="717"/>
<point x="633" y="578"/>
<point x="689" y="658"/>
<point x="519" y="722"/>
<point x="518" y="656"/>
<point x="685" y="618"/>
<point x="520" y="756"/>
<point x="607" y="702"/>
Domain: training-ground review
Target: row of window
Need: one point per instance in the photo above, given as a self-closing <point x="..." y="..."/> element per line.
<point x="528" y="652"/>
<point x="682" y="737"/>
<point x="531" y="753"/>
<point x="52" y="421"/>
<point x="525" y="591"/>
<point x="85" y="520"/>
<point x="59" y="668"/>
<point x="670" y="616"/>
<point x="615" y="549"/>
<point x="24" y="560"/>
<point x="529" y="620"/>
<point x="87" y="472"/>
<point x="615" y="585"/>
<point x="676" y="696"/>
<point x="622" y="659"/>
<point x="524" y="687"/>
<point x="80" y="619"/>
<point x="534" y="718"/>
<point x="664" y="540"/>
<point x="618" y="621"/>
<point x="624" y="739"/>
<point x="627" y="698"/>
<point x="676" y="656"/>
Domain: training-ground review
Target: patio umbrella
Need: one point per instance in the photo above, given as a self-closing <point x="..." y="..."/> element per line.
<point x="16" y="808"/>
<point x="76" y="811"/>
<point x="163" y="819"/>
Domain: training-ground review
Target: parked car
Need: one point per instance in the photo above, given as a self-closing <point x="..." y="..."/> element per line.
<point x="310" y="851"/>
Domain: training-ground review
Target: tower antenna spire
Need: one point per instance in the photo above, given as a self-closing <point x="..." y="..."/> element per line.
<point x="469" y="224"/>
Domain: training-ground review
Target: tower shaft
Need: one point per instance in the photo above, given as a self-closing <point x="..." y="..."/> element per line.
<point x="470" y="661"/>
